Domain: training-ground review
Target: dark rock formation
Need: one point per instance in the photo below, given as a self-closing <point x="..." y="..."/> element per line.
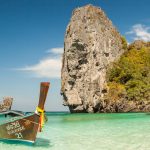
<point x="92" y="43"/>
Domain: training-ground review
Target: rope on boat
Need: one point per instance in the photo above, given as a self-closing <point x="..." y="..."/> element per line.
<point x="16" y="118"/>
<point x="42" y="118"/>
<point x="30" y="121"/>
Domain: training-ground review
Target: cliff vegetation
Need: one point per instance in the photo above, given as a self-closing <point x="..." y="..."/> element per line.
<point x="129" y="78"/>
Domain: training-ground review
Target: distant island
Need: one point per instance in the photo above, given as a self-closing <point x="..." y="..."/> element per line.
<point x="100" y="71"/>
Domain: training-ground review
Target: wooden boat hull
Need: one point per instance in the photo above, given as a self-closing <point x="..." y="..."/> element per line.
<point x="21" y="129"/>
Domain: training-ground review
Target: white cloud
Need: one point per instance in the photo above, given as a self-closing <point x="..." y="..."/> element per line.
<point x="58" y="50"/>
<point x="49" y="67"/>
<point x="140" y="32"/>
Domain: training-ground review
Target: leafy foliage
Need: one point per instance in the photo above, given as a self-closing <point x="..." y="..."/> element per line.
<point x="124" y="42"/>
<point x="132" y="73"/>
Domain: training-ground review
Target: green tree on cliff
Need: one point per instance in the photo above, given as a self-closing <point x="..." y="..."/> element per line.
<point x="131" y="74"/>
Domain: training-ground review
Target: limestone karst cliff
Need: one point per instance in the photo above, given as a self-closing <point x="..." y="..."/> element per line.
<point x="100" y="72"/>
<point x="91" y="44"/>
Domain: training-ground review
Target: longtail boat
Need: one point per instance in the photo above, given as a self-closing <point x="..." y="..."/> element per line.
<point x="13" y="113"/>
<point x="6" y="104"/>
<point x="25" y="128"/>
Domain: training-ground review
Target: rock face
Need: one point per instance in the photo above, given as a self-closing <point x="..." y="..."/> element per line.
<point x="92" y="43"/>
<point x="138" y="44"/>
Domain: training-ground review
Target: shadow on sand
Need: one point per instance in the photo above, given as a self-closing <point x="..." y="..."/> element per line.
<point x="41" y="142"/>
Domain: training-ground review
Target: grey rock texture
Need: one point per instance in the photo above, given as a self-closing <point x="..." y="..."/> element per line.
<point x="91" y="44"/>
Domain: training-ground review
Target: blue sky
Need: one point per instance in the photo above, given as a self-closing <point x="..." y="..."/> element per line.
<point x="32" y="38"/>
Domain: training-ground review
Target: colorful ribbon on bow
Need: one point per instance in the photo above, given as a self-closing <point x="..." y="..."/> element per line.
<point x="42" y="117"/>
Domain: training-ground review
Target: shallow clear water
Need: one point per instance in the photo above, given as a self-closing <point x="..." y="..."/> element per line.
<point x="128" y="131"/>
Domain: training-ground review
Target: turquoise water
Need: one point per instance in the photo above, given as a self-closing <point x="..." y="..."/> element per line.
<point x="128" y="131"/>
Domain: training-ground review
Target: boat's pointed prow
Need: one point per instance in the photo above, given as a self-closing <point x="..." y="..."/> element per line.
<point x="40" y="109"/>
<point x="43" y="94"/>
